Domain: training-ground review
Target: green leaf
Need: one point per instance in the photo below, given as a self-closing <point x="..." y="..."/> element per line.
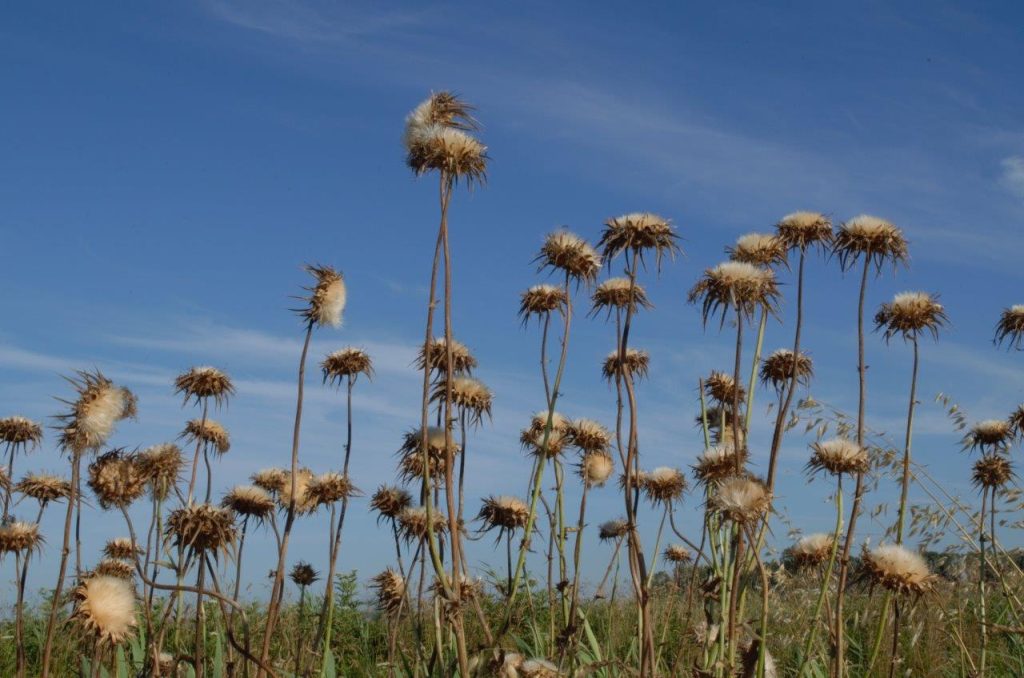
<point x="122" y="663"/>
<point x="218" y="656"/>
<point x="329" y="670"/>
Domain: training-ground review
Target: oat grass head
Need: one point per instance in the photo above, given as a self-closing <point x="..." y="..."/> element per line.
<point x="741" y="500"/>
<point x="208" y="432"/>
<point x="777" y="369"/>
<point x="434" y="357"/>
<point x="117" y="479"/>
<point x="94" y="413"/>
<point x="250" y="501"/>
<point x="389" y="502"/>
<point x="663" y="485"/>
<point x="43" y="487"/>
<point x="735" y="285"/>
<point x="909" y="314"/>
<point x="105" y="608"/>
<point x="871" y="237"/>
<point x="346" y="363"/>
<point x="990" y="435"/>
<point x="812" y="550"/>
<point x="541" y="300"/>
<point x="504" y="513"/>
<point x="567" y="253"/>
<point x="897" y="569"/>
<point x="620" y="294"/>
<point x="760" y="249"/>
<point x="837" y="456"/>
<point x="326" y="301"/>
<point x="204" y="383"/>
<point x="202" y="528"/>
<point x="596" y="468"/>
<point x="390" y="587"/>
<point x="20" y="434"/>
<point x="636" y="365"/>
<point x="801" y="230"/>
<point x="18" y="537"/>
<point x="992" y="471"/>
<point x="639" y="233"/>
<point x="1010" y="328"/>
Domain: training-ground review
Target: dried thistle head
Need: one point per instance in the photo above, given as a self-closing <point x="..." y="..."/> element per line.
<point x="441" y="108"/>
<point x="777" y="369"/>
<point x="992" y="471"/>
<point x="613" y="529"/>
<point x="717" y="463"/>
<point x="462" y="591"/>
<point x="596" y="468"/>
<point x="43" y="487"/>
<point x="801" y="230"/>
<point x="539" y="423"/>
<point x="250" y="501"/>
<point x="570" y="254"/>
<point x="19" y="434"/>
<point x="910" y="313"/>
<point x="897" y="569"/>
<point x="549" y="446"/>
<point x="115" y="567"/>
<point x="722" y="388"/>
<point x="875" y="239"/>
<point x="740" y="499"/>
<point x="390" y="588"/>
<point x="204" y="383"/>
<point x="589" y="436"/>
<point x="1016" y="420"/>
<point x="621" y="294"/>
<point x="453" y="152"/>
<point x="270" y="479"/>
<point x="990" y="435"/>
<point x="639" y="233"/>
<point x="18" y="537"/>
<point x="330" y="488"/>
<point x="349" y="363"/>
<point x="677" y="553"/>
<point x="390" y="501"/>
<point x="506" y="664"/>
<point x="539" y="668"/>
<point x="117" y="479"/>
<point x="735" y="285"/>
<point x="812" y="550"/>
<point x="760" y="249"/>
<point x="541" y="300"/>
<point x="412" y="523"/>
<point x="838" y="456"/>
<point x="720" y="425"/>
<point x="435" y="357"/>
<point x="105" y="608"/>
<point x="98" y="407"/>
<point x="326" y="301"/>
<point x="305" y="503"/>
<point x="202" y="528"/>
<point x="504" y="513"/>
<point x="663" y="484"/>
<point x="122" y="548"/>
<point x="1010" y="327"/>
<point x="303" y="574"/>
<point x="161" y="465"/>
<point x="635" y="364"/>
<point x="470" y="395"/>
<point x="208" y="432"/>
<point x="437" y="445"/>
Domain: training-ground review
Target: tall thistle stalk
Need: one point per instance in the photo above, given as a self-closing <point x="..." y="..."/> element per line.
<point x="877" y="242"/>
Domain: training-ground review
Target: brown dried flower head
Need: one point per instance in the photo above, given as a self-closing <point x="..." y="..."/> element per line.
<point x="435" y="357"/>
<point x="760" y="249"/>
<point x="330" y="488"/>
<point x="202" y="528"/>
<point x="589" y="436"/>
<point x="990" y="435"/>
<point x="455" y="153"/>
<point x="250" y="501"/>
<point x="207" y="432"/>
<point x="677" y="553"/>
<point x="539" y="444"/>
<point x="539" y="668"/>
<point x="122" y="548"/>
<point x="639" y="233"/>
<point x="43" y="487"/>
<point x="117" y="479"/>
<point x="270" y="479"/>
<point x="620" y="294"/>
<point x="837" y="456"/>
<point x="875" y="239"/>
<point x="570" y="254"/>
<point x="115" y="567"/>
<point x="303" y="574"/>
<point x="105" y="608"/>
<point x="540" y="422"/>
<point x="349" y="363"/>
<point x="596" y="468"/>
<point x="204" y="383"/>
<point x="412" y="523"/>
<point x="390" y="501"/>
<point x="390" y="588"/>
<point x="897" y="569"/>
<point x="97" y="409"/>
<point x="613" y="529"/>
<point x="305" y="502"/>
<point x="161" y="465"/>
<point x="1010" y="327"/>
<point x="540" y="300"/>
<point x="718" y="463"/>
<point x="801" y="230"/>
<point x="504" y="513"/>
<point x="777" y="369"/>
<point x="441" y="108"/>
<point x="663" y="484"/>
<point x="740" y="499"/>
<point x="1016" y="420"/>
<point x="992" y="471"/>
<point x="326" y="301"/>
<point x="636" y="364"/>
<point x="910" y="313"/>
<point x="469" y="394"/>
<point x="17" y="536"/>
<point x="721" y="387"/>
<point x="20" y="434"/>
<point x="735" y="285"/>
<point x="812" y="550"/>
<point x="411" y="453"/>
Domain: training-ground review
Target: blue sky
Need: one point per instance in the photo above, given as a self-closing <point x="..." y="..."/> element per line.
<point x="165" y="170"/>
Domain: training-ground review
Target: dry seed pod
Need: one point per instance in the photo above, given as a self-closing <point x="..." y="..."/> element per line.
<point x="801" y="230"/>
<point x="44" y="488"/>
<point x="348" y="363"/>
<point x="741" y="500"/>
<point x="202" y="527"/>
<point x="812" y="550"/>
<point x="390" y="501"/>
<point x="117" y="479"/>
<point x="663" y="485"/>
<point x="743" y="287"/>
<point x="326" y="301"/>
<point x="18" y="537"/>
<point x="390" y="590"/>
<point x="875" y="239"/>
<point x="613" y="529"/>
<point x="303" y="574"/>
<point x="94" y="413"/>
<point x="249" y="501"/>
<point x="760" y="249"/>
<point x="910" y="313"/>
<point x="639" y="233"/>
<point x="837" y="456"/>
<point x="569" y="254"/>
<point x="204" y="383"/>
<point x="1010" y="327"/>
<point x="777" y="369"/>
<point x="435" y="356"/>
<point x="504" y="513"/>
<point x="208" y="432"/>
<point x="20" y="434"/>
<point x="105" y="608"/>
<point x="636" y="364"/>
<point x="897" y="569"/>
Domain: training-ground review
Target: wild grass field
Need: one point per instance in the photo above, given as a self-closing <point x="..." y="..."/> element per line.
<point x="727" y="589"/>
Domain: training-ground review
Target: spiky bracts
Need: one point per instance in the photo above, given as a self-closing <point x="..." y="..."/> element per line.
<point x="870" y="237"/>
<point x="161" y="465"/>
<point x="202" y="528"/>
<point x="17" y="537"/>
<point x="612" y="529"/>
<point x="639" y="233"/>
<point x="909" y="314"/>
<point x="204" y="383"/>
<point x="636" y="364"/>
<point x="504" y="513"/>
<point x="389" y="501"/>
<point x="722" y="388"/>
<point x="434" y="356"/>
<point x="589" y="435"/>
<point x="740" y="499"/>
<point x="662" y="485"/>
<point x="468" y="394"/>
<point x="390" y="587"/>
<point x="735" y="285"/>
<point x="412" y="523"/>
<point x="44" y="487"/>
<point x="897" y="569"/>
<point x="812" y="550"/>
<point x="305" y="502"/>
<point x="719" y="462"/>
<point x="303" y="574"/>
<point x="411" y="463"/>
<point x="534" y="440"/>
<point x="777" y="369"/>
<point x="270" y="479"/>
<point x="208" y="432"/>
<point x="117" y="478"/>
<point x="115" y="567"/>
<point x="990" y="435"/>
<point x="330" y="488"/>
<point x="1010" y="328"/>
<point x="105" y="608"/>
<point x="596" y="468"/>
<point x="250" y="501"/>
<point x="121" y="548"/>
<point x="760" y="249"/>
<point x="837" y="456"/>
<point x="346" y="363"/>
<point x="436" y="138"/>
<point x="326" y="301"/>
<point x="801" y="230"/>
<point x="541" y="300"/>
<point x="992" y="471"/>
<point x="20" y="434"/>
<point x="677" y="553"/>
<point x="98" y="407"/>
<point x="569" y="254"/>
<point x="620" y="294"/>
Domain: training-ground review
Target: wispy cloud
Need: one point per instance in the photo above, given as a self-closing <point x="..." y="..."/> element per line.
<point x="1012" y="177"/>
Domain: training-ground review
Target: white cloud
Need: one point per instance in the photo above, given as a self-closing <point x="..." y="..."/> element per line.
<point x="1013" y="174"/>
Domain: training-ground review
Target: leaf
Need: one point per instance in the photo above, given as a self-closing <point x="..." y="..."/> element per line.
<point x="329" y="670"/>
<point x="218" y="656"/>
